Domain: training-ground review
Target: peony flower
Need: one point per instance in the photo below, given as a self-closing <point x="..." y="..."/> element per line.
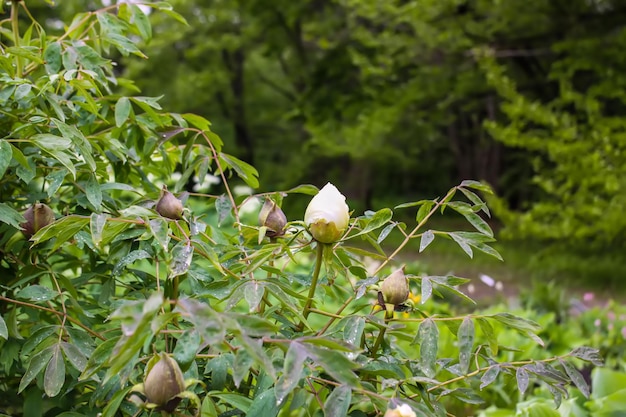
<point x="403" y="410"/>
<point x="327" y="215"/>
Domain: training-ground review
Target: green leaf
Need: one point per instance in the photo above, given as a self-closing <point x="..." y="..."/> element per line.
<point x="197" y="121"/>
<point x="335" y="363"/>
<point x="208" y="408"/>
<point x="6" y="153"/>
<point x="93" y="192"/>
<point x="489" y="376"/>
<point x="465" y="335"/>
<point x="426" y="289"/>
<point x="10" y="216"/>
<point x="36" y="293"/>
<point x="186" y="348"/>
<point x="576" y="377"/>
<point x="48" y="142"/>
<point x="379" y="219"/>
<point x="141" y="21"/>
<point x="477" y="186"/>
<point x="338" y="402"/>
<point x="74" y="355"/>
<point x="63" y="229"/>
<point x="160" y="230"/>
<point x="55" y="373"/>
<point x="353" y="330"/>
<point x="129" y="259"/>
<point x="244" y="170"/>
<point x="223" y="207"/>
<point x="428" y="339"/>
<point x="424" y="210"/>
<point x="292" y="371"/>
<point x="519" y="323"/>
<point x="426" y="239"/>
<point x="463" y="243"/>
<point x="523" y="379"/>
<point x="182" y="254"/>
<point x="96" y="225"/>
<point x="480" y="225"/>
<point x="36" y="364"/>
<point x="52" y="57"/>
<point x="98" y="358"/>
<point x="114" y="403"/>
<point x="304" y="189"/>
<point x="236" y="400"/>
<point x="122" y="111"/>
<point x="489" y="334"/>
<point x="4" y="332"/>
<point x="385" y="232"/>
<point x="477" y="201"/>
<point x="264" y="405"/>
<point x="55" y="180"/>
<point x="588" y="354"/>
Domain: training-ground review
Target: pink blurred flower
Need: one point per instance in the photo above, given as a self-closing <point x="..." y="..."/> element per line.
<point x="588" y="296"/>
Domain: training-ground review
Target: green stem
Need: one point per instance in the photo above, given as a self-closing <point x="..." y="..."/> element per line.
<point x="316" y="274"/>
<point x="381" y="334"/>
<point x="414" y="231"/>
<point x="16" y="37"/>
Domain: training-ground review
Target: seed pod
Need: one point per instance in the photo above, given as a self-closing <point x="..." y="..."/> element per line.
<point x="37" y="217"/>
<point x="395" y="288"/>
<point x="272" y="217"/>
<point x="169" y="206"/>
<point x="163" y="383"/>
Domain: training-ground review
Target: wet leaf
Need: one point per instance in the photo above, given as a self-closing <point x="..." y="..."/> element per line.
<point x="465" y="336"/>
<point x="489" y="376"/>
<point x="426" y="239"/>
<point x="264" y="405"/>
<point x="6" y="153"/>
<point x="182" y="254"/>
<point x="428" y="339"/>
<point x="338" y="402"/>
<point x="523" y="379"/>
<point x="55" y="373"/>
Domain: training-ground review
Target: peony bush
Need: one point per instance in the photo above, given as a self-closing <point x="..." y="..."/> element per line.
<point x="123" y="293"/>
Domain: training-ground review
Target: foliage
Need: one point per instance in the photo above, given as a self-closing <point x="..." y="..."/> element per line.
<point x="575" y="133"/>
<point x="260" y="325"/>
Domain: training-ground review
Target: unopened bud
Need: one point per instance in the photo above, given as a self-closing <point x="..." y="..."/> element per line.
<point x="163" y="383"/>
<point x="169" y="206"/>
<point x="403" y="410"/>
<point x="395" y="288"/>
<point x="272" y="217"/>
<point x="37" y="217"/>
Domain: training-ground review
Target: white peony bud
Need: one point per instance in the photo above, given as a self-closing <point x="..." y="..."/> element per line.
<point x="403" y="410"/>
<point x="327" y="215"/>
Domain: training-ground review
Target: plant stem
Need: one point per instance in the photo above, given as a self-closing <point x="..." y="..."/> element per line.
<point x="414" y="231"/>
<point x="16" y="37"/>
<point x="316" y="274"/>
<point x="58" y="313"/>
<point x="381" y="334"/>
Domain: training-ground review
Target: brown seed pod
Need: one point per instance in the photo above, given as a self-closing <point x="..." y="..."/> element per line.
<point x="163" y="383"/>
<point x="37" y="217"/>
<point x="169" y="206"/>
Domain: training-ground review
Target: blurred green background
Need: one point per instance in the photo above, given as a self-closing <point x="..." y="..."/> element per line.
<point x="396" y="100"/>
